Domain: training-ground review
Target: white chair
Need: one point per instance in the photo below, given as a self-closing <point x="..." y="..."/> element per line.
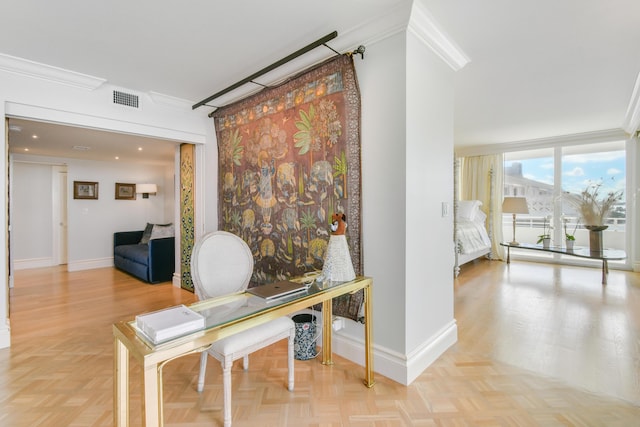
<point x="222" y="264"/>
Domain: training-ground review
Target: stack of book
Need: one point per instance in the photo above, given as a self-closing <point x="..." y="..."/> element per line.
<point x="162" y="325"/>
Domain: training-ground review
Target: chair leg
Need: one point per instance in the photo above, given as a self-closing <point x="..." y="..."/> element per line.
<point x="226" y="388"/>
<point x="203" y="370"/>
<point x="245" y="362"/>
<point x="290" y="358"/>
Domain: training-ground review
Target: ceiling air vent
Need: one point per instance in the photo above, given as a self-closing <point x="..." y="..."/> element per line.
<point x="126" y="99"/>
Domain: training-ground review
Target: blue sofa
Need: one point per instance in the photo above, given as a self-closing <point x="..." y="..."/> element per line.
<point x="153" y="262"/>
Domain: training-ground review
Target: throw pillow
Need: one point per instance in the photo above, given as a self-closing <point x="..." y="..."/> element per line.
<point x="160" y="231"/>
<point x="146" y="234"/>
<point x="467" y="209"/>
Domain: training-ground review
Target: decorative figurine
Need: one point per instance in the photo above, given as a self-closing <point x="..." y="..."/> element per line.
<point x="337" y="261"/>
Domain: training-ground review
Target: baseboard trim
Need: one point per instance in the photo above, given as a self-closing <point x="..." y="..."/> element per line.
<point x="403" y="369"/>
<point x="176" y="280"/>
<point x="90" y="264"/>
<point x="25" y="264"/>
<point x="5" y="335"/>
<point x="422" y="357"/>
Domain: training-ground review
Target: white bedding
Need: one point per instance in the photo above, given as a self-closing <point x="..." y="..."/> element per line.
<point x="472" y="237"/>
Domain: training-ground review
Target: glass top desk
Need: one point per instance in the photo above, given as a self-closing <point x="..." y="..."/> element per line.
<point x="224" y="316"/>
<point x="581" y="252"/>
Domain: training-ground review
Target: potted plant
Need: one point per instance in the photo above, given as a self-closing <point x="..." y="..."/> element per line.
<point x="545" y="237"/>
<point x="569" y="238"/>
<point x="593" y="209"/>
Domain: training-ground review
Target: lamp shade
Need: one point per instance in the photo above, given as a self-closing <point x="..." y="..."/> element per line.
<point x="516" y="205"/>
<point x="146" y="188"/>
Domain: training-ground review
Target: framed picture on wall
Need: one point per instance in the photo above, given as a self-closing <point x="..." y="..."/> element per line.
<point x="85" y="190"/>
<point x="125" y="191"/>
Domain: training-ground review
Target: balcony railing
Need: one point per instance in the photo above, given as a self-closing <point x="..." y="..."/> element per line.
<point x="528" y="228"/>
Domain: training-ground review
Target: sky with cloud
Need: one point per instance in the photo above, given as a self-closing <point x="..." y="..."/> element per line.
<point x="579" y="170"/>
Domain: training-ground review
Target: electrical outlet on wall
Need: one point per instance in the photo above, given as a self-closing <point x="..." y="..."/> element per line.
<point x="338" y="323"/>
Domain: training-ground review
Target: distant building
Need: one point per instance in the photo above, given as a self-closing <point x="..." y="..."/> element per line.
<point x="539" y="195"/>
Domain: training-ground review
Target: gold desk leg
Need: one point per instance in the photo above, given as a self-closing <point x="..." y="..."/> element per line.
<point x="327" y="330"/>
<point x="160" y="397"/>
<point x="152" y="396"/>
<point x="121" y="384"/>
<point x="368" y="342"/>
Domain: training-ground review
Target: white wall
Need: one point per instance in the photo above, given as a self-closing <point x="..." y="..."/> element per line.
<point x="90" y="223"/>
<point x="382" y="83"/>
<point x="633" y="165"/>
<point x="407" y="172"/>
<point x="430" y="252"/>
<point x="32" y="228"/>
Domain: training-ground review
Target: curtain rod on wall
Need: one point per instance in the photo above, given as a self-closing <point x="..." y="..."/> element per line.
<point x="271" y="67"/>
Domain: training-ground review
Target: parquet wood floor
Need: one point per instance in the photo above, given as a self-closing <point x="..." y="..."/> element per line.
<point x="514" y="364"/>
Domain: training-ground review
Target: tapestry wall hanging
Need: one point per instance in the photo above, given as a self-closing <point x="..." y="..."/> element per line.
<point x="289" y="157"/>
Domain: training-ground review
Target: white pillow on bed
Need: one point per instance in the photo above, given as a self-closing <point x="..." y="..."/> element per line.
<point x="467" y="209"/>
<point x="480" y="218"/>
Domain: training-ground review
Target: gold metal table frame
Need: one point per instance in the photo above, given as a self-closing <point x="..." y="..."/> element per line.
<point x="152" y="357"/>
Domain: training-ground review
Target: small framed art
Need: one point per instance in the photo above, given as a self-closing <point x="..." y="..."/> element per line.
<point x="85" y="190"/>
<point x="125" y="191"/>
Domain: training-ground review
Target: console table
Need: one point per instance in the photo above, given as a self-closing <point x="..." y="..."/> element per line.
<point x="581" y="252"/>
<point x="224" y="316"/>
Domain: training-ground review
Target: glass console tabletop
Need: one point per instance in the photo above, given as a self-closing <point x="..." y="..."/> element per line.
<point x="226" y="310"/>
<point x="582" y="252"/>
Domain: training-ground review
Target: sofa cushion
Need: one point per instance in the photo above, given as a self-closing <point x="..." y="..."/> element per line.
<point x="161" y="231"/>
<point x="146" y="234"/>
<point x="138" y="253"/>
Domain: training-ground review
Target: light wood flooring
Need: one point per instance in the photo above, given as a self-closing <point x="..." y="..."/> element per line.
<point x="539" y="345"/>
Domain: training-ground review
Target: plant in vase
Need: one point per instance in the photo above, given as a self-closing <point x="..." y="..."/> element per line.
<point x="594" y="209"/>
<point x="569" y="238"/>
<point x="545" y="237"/>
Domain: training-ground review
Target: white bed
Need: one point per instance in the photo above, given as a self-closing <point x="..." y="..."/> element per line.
<point x="472" y="239"/>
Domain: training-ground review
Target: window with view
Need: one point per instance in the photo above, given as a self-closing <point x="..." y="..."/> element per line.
<point x="553" y="179"/>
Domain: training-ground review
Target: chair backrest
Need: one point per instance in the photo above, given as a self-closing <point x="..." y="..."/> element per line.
<point x="221" y="264"/>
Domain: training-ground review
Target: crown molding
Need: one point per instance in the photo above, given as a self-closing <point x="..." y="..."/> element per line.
<point x="607" y="135"/>
<point x="388" y="23"/>
<point x="631" y="121"/>
<point x="172" y="101"/>
<point x="424" y="26"/>
<point x="37" y="70"/>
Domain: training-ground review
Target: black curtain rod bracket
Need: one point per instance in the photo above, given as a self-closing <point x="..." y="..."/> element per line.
<point x="271" y="67"/>
<point x="359" y="51"/>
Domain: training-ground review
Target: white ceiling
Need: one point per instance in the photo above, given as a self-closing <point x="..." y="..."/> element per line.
<point x="541" y="68"/>
<point x="538" y="69"/>
<point x="54" y="140"/>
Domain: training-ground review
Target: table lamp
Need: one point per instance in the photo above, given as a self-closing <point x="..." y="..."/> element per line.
<point x="514" y="205"/>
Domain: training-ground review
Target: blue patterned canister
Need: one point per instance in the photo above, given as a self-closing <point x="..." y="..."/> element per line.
<point x="305" y="341"/>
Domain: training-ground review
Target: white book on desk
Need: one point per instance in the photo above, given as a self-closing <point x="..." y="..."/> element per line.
<point x="168" y="323"/>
